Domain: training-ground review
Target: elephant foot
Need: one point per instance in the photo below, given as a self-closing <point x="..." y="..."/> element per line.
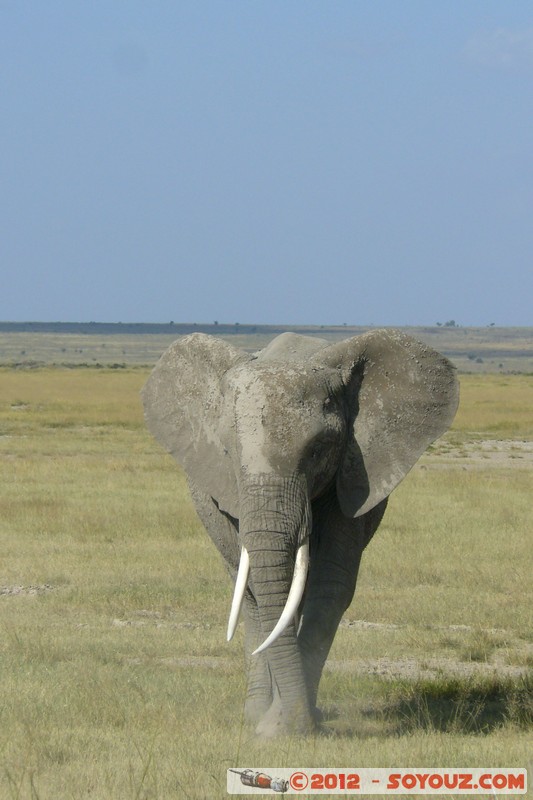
<point x="279" y="721"/>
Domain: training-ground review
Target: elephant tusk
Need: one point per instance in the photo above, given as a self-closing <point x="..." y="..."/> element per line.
<point x="293" y="600"/>
<point x="241" y="582"/>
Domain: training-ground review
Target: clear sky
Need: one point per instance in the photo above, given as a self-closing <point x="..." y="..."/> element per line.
<point x="267" y="161"/>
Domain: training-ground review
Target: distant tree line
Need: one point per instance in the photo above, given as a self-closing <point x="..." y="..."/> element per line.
<point x="103" y="328"/>
<point x="171" y="328"/>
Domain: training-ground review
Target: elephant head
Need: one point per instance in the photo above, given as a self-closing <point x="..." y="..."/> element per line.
<point x="266" y="436"/>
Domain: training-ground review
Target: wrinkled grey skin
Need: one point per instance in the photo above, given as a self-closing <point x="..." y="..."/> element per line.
<point x="303" y="440"/>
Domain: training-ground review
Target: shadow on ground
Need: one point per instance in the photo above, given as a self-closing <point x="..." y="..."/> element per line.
<point x="455" y="705"/>
<point x="461" y="705"/>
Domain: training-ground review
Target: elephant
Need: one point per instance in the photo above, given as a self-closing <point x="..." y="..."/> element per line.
<point x="291" y="454"/>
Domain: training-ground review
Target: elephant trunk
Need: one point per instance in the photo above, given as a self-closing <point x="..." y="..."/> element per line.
<point x="274" y="528"/>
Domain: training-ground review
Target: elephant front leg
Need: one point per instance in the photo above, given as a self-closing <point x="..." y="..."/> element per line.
<point x="325" y="604"/>
<point x="337" y="546"/>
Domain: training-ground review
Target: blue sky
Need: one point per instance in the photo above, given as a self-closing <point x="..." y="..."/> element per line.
<point x="359" y="162"/>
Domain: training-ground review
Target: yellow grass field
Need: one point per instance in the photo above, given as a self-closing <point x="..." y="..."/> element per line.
<point x="115" y="677"/>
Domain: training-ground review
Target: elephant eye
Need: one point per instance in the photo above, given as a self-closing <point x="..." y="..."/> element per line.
<point x="320" y="446"/>
<point x="330" y="404"/>
<point x="315" y="452"/>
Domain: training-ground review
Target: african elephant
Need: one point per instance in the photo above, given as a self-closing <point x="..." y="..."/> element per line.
<point x="291" y="454"/>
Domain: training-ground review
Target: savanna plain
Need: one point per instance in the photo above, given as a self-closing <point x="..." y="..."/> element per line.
<point x="115" y="677"/>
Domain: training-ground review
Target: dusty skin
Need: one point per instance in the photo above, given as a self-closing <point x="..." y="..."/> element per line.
<point x="291" y="454"/>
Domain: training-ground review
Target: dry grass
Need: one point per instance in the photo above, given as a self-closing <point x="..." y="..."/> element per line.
<point x="115" y="678"/>
<point x="495" y="406"/>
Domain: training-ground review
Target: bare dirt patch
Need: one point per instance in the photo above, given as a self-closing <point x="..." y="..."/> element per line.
<point x="155" y="619"/>
<point x="28" y="591"/>
<point x="186" y="662"/>
<point x="414" y="669"/>
<point x="480" y="454"/>
<point x="434" y="667"/>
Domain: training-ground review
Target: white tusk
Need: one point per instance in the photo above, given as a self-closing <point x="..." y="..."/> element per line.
<point x="293" y="600"/>
<point x="241" y="582"/>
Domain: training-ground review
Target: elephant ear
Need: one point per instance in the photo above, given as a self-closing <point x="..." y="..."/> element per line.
<point x="184" y="411"/>
<point x="402" y="395"/>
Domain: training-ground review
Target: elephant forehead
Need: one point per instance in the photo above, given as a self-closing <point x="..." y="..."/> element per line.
<point x="279" y="410"/>
<point x="281" y="387"/>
